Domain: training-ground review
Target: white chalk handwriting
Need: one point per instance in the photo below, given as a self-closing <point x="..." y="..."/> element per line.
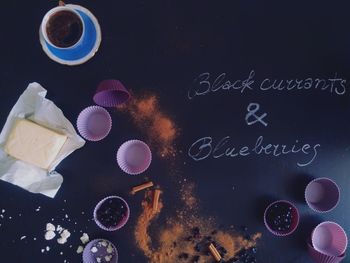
<point x="332" y="85"/>
<point x="252" y="110"/>
<point x="205" y="84"/>
<point x="205" y="148"/>
<point x="202" y="85"/>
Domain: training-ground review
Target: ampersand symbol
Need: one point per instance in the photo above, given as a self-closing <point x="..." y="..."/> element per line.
<point x="252" y="109"/>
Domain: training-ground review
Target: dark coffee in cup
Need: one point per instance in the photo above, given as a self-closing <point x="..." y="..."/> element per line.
<point x="64" y="29"/>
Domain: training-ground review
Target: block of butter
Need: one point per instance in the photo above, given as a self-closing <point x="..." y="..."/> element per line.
<point x="34" y="144"/>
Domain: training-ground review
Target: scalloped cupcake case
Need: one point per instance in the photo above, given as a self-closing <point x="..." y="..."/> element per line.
<point x="100" y="251"/>
<point x="329" y="238"/>
<point x="134" y="157"/>
<point x="294" y="222"/>
<point x="322" y="195"/>
<point x="104" y="213"/>
<point x="111" y="93"/>
<point x="94" y="123"/>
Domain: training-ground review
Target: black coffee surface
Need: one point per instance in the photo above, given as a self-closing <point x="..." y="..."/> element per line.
<point x="64" y="29"/>
<point x="112" y="212"/>
<point x="279" y="217"/>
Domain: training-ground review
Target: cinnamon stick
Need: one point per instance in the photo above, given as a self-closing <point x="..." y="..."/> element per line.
<point x="215" y="252"/>
<point x="156" y="200"/>
<point x="141" y="187"/>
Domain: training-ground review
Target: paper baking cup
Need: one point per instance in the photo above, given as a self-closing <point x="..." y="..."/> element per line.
<point x="90" y="257"/>
<point x="121" y="223"/>
<point x="319" y="257"/>
<point x="295" y="219"/>
<point x="329" y="238"/>
<point x="94" y="123"/>
<point x="322" y="195"/>
<point x="134" y="157"/>
<point x="111" y="93"/>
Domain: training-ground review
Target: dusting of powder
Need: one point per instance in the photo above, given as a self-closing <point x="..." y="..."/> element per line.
<point x="186" y="236"/>
<point x="159" y="128"/>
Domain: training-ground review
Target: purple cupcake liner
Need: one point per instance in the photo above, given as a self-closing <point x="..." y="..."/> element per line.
<point x="90" y="257"/>
<point x="94" y="123"/>
<point x="319" y="257"/>
<point x="121" y="223"/>
<point x="134" y="157"/>
<point x="329" y="238"/>
<point x="294" y="224"/>
<point x="322" y="195"/>
<point x="111" y="93"/>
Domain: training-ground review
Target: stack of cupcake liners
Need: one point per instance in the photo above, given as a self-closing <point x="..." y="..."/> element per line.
<point x="319" y="257"/>
<point x="328" y="243"/>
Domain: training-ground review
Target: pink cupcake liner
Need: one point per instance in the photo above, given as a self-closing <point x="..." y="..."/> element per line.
<point x="111" y="93"/>
<point x="319" y="257"/>
<point x="134" y="157"/>
<point x="294" y="224"/>
<point x="121" y="224"/>
<point x="90" y="257"/>
<point x="329" y="238"/>
<point x="322" y="195"/>
<point x="94" y="123"/>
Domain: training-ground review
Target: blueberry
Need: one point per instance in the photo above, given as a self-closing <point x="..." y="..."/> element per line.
<point x="241" y="252"/>
<point x="183" y="256"/>
<point x="254" y="250"/>
<point x="195" y="231"/>
<point x="222" y="250"/>
<point x="190" y="238"/>
<point x="209" y="238"/>
<point x="244" y="228"/>
<point x="214" y="232"/>
<point x="198" y="247"/>
<point x="195" y="259"/>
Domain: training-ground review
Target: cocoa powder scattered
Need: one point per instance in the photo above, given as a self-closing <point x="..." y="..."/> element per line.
<point x="186" y="237"/>
<point x="158" y="127"/>
<point x="143" y="239"/>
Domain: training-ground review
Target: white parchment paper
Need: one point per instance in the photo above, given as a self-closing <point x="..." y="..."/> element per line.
<point x="33" y="105"/>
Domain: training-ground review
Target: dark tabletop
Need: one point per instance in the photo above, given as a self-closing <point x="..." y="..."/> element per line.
<point x="161" y="47"/>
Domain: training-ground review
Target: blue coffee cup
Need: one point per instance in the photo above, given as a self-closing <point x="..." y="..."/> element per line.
<point x="81" y="50"/>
